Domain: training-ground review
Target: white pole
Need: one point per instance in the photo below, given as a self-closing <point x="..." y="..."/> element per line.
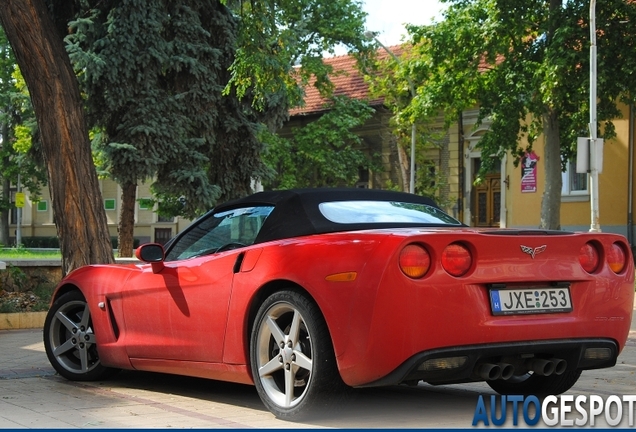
<point x="18" y="231"/>
<point x="594" y="227"/>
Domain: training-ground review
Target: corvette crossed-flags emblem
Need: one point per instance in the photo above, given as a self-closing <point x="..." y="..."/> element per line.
<point x="532" y="252"/>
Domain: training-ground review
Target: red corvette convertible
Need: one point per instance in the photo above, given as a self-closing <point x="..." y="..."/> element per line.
<point x="307" y="293"/>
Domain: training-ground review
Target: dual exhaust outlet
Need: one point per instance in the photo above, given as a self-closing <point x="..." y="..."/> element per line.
<point x="504" y="371"/>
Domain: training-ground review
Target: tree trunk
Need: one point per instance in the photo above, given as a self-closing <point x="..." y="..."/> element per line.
<point x="73" y="185"/>
<point x="551" y="201"/>
<point x="403" y="161"/>
<point x="127" y="220"/>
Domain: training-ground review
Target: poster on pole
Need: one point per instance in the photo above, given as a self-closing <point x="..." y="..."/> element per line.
<point x="19" y="199"/>
<point x="529" y="172"/>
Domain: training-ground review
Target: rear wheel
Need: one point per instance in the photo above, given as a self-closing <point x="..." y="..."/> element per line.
<point x="530" y="383"/>
<point x="292" y="358"/>
<point x="69" y="340"/>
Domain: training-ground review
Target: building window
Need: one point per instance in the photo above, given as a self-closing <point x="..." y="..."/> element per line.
<point x="145" y="204"/>
<point x="42" y="206"/>
<point x="162" y="218"/>
<point x="109" y="204"/>
<point x="574" y="184"/>
<point x="363" y="178"/>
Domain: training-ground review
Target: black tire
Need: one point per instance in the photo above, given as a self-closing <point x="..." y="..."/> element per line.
<point x="533" y="384"/>
<point x="300" y="379"/>
<point x="69" y="340"/>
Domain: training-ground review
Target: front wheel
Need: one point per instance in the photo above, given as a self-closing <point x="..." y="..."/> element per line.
<point x="533" y="384"/>
<point x="292" y="358"/>
<point x="69" y="340"/>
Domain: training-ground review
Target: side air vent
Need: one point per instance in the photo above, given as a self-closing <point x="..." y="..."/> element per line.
<point x="113" y="321"/>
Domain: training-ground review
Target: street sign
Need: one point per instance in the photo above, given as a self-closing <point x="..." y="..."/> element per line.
<point x="589" y="155"/>
<point x="19" y="199"/>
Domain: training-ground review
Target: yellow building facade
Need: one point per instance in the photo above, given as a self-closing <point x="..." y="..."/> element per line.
<point x="508" y="199"/>
<point x="37" y="218"/>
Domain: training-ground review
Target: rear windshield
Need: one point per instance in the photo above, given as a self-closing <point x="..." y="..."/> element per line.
<point x="357" y="212"/>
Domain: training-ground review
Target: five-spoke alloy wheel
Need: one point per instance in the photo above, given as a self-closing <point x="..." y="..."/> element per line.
<point x="69" y="339"/>
<point x="292" y="358"/>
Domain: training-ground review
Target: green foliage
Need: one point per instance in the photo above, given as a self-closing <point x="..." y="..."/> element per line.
<point x="19" y="151"/>
<point x="19" y="293"/>
<point x="323" y="153"/>
<point x="395" y="77"/>
<point x="516" y="58"/>
<point x="13" y="278"/>
<point x="27" y="253"/>
<point x="43" y="243"/>
<point x="176" y="89"/>
<point x="153" y="73"/>
<point x="277" y="35"/>
<point x="39" y="242"/>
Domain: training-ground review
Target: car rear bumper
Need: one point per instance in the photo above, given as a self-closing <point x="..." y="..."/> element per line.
<point x="469" y="363"/>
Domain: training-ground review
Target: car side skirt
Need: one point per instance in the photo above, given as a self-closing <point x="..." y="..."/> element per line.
<point x="216" y="371"/>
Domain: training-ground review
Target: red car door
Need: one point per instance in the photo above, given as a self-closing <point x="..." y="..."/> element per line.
<point x="179" y="313"/>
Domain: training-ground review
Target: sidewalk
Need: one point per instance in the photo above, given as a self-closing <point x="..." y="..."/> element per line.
<point x="33" y="396"/>
<point x="22" y="354"/>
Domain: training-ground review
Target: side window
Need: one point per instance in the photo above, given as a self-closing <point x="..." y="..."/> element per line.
<point x="574" y="184"/>
<point x="220" y="231"/>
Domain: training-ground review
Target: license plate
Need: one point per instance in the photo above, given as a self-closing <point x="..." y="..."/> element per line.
<point x="530" y="300"/>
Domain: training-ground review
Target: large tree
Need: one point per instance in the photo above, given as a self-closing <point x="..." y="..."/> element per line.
<point x="390" y="76"/>
<point x="162" y="80"/>
<point x="73" y="185"/>
<point x="214" y="154"/>
<point x="326" y="152"/>
<point x="11" y="108"/>
<point x="154" y="72"/>
<point x="526" y="59"/>
<point x="20" y="150"/>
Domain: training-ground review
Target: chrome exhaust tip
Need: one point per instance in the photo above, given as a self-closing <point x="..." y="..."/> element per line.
<point x="507" y="370"/>
<point x="560" y="366"/>
<point x="488" y="371"/>
<point x="541" y="367"/>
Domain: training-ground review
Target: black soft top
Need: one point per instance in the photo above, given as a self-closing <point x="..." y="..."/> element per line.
<point x="296" y="211"/>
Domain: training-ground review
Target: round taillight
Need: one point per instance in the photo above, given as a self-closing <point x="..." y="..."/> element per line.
<point x="616" y="258"/>
<point x="589" y="257"/>
<point x="456" y="259"/>
<point x="414" y="261"/>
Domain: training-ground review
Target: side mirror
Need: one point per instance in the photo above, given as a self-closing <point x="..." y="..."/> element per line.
<point x="152" y="253"/>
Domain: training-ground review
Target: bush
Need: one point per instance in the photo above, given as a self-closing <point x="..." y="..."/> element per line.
<point x="114" y="242"/>
<point x="54" y="242"/>
<point x="13" y="279"/>
<point x="41" y="242"/>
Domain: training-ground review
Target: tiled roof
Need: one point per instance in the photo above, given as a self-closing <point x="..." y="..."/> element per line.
<point x="347" y="81"/>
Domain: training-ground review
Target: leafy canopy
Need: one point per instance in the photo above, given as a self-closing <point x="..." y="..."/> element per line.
<point x="523" y="59"/>
<point x="177" y="90"/>
<point x="19" y="147"/>
<point x="324" y="152"/>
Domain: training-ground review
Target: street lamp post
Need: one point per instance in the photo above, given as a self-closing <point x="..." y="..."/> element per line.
<point x="594" y="142"/>
<point x="371" y="35"/>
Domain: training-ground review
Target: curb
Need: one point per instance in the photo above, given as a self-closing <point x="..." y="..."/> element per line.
<point x="22" y="320"/>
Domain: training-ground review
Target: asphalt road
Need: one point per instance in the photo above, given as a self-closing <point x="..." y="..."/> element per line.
<point x="32" y="396"/>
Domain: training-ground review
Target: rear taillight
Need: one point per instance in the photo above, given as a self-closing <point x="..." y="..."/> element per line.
<point x="415" y="261"/>
<point x="616" y="258"/>
<point x="589" y="257"/>
<point x="456" y="259"/>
